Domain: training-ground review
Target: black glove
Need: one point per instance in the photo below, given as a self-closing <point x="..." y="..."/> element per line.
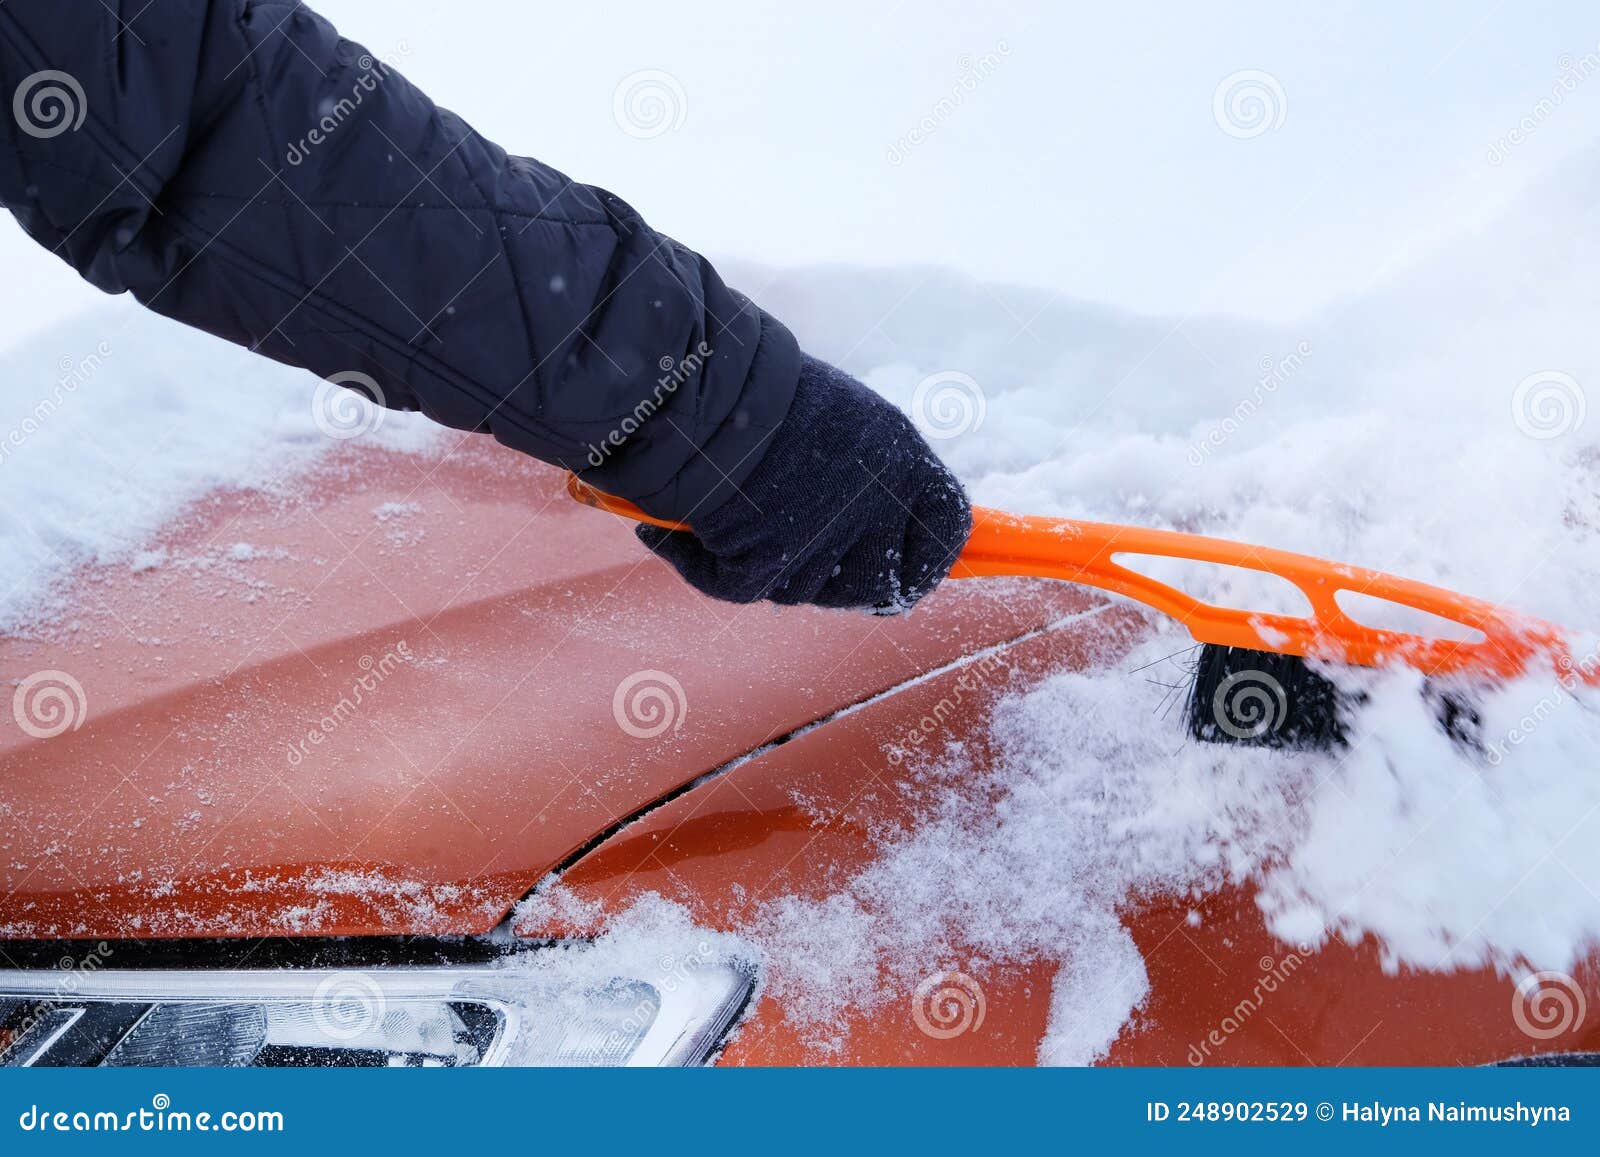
<point x="848" y="507"/>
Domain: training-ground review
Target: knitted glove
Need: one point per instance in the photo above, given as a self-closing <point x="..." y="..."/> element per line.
<point x="848" y="507"/>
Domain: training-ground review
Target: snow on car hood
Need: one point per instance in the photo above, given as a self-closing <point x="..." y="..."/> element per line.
<point x="267" y="678"/>
<point x="1437" y="428"/>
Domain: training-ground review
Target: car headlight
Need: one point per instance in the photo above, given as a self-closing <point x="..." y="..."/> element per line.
<point x="469" y="1015"/>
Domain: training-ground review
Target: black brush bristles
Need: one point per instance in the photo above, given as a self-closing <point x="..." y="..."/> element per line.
<point x="1455" y="709"/>
<point x="1263" y="699"/>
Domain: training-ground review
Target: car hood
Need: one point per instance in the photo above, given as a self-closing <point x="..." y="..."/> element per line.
<point x="391" y="697"/>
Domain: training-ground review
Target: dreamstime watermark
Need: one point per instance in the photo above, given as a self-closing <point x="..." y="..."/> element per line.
<point x="1546" y="1005"/>
<point x="160" y="1117"/>
<point x="1570" y="675"/>
<point x="72" y="970"/>
<point x="375" y="671"/>
<point x="347" y="405"/>
<point x="947" y="1005"/>
<point x="948" y="404"/>
<point x="648" y="704"/>
<point x="674" y="372"/>
<point x="49" y="703"/>
<point x="1274" y="974"/>
<point x="676" y="971"/>
<point x="649" y="103"/>
<point x="1275" y="374"/>
<point x="49" y="103"/>
<point x="937" y="717"/>
<point x="73" y="373"/>
<point x="1570" y="74"/>
<point x="1249" y="103"/>
<point x="1249" y="705"/>
<point x="971" y="73"/>
<point x="332" y="113"/>
<point x="348" y="1005"/>
<point x="1548" y="404"/>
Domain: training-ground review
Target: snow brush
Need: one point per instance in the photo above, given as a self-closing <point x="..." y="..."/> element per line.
<point x="1253" y="680"/>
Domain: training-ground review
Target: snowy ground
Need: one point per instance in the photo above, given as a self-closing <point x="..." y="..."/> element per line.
<point x="1435" y="427"/>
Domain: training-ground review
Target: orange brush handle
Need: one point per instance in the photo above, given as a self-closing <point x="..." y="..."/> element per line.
<point x="1085" y="553"/>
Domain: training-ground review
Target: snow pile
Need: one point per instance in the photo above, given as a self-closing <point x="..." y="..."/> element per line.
<point x="651" y="938"/>
<point x="653" y="941"/>
<point x="111" y="424"/>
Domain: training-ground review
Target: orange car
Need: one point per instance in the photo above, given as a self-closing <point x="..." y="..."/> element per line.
<point x="333" y="784"/>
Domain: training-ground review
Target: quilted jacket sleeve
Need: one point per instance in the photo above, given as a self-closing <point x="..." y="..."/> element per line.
<point x="240" y="167"/>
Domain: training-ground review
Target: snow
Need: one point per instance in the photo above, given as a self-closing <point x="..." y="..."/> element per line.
<point x="112" y="423"/>
<point x="1095" y="993"/>
<point x="1445" y="862"/>
<point x="307" y="901"/>
<point x="651" y="936"/>
<point x="1436" y="427"/>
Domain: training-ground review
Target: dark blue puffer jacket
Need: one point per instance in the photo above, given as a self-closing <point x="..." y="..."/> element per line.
<point x="240" y="167"/>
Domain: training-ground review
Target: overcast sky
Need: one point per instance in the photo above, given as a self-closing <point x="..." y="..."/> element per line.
<point x="1089" y="157"/>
